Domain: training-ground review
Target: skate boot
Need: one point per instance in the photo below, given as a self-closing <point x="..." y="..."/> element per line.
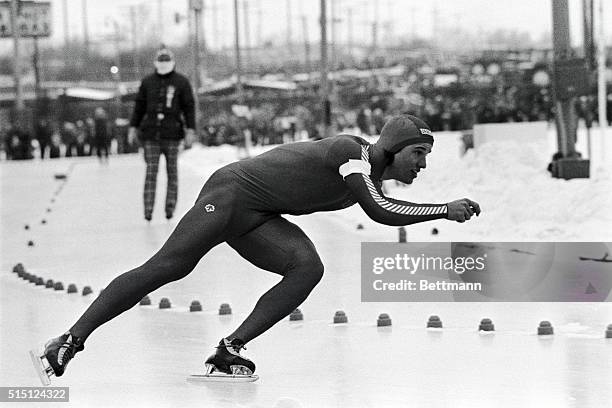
<point x="56" y="355"/>
<point x="228" y="360"/>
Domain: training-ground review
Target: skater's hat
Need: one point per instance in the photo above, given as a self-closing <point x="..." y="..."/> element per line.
<point x="404" y="130"/>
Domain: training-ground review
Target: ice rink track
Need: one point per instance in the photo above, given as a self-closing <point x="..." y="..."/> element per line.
<point x="94" y="230"/>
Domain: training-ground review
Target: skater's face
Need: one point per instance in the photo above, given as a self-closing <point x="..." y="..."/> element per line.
<point x="407" y="163"/>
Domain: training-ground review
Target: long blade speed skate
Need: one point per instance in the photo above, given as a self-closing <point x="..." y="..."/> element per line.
<point x="239" y="374"/>
<point x="56" y="355"/>
<point x="226" y="364"/>
<point x="42" y="367"/>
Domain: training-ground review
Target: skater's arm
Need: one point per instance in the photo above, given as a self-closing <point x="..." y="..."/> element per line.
<point x="390" y="211"/>
<point x="352" y="163"/>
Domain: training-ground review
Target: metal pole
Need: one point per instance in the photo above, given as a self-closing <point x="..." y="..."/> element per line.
<point x="197" y="12"/>
<point x="66" y="29"/>
<point x="85" y="27"/>
<point x="334" y="35"/>
<point x="289" y="39"/>
<point x="324" y="85"/>
<point x="587" y="24"/>
<point x="589" y="55"/>
<point x="19" y="104"/>
<point x="601" y="77"/>
<point x="239" y="92"/>
<point x="375" y="27"/>
<point x="259" y="20"/>
<point x="118" y="74"/>
<point x="247" y="33"/>
<point x="35" y="62"/>
<point x="565" y="113"/>
<point x="306" y="44"/>
<point x="135" y="50"/>
<point x="215" y="25"/>
<point x="349" y="22"/>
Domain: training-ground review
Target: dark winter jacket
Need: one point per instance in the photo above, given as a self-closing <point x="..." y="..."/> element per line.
<point x="164" y="104"/>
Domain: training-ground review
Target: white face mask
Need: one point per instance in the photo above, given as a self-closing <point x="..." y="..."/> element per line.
<point x="164" y="67"/>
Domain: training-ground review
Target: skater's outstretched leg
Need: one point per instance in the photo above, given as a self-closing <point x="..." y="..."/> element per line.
<point x="198" y="232"/>
<point x="281" y="247"/>
<point x="218" y="214"/>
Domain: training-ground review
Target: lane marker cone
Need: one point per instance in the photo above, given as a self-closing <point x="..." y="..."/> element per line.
<point x="225" y="309"/>
<point x="340" y="317"/>
<point x="545" y="328"/>
<point x="296" y="315"/>
<point x="195" y="306"/>
<point x="383" y="320"/>
<point x="434" y="322"/>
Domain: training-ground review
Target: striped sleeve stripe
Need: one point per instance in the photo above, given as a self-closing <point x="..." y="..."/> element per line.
<point x="397" y="208"/>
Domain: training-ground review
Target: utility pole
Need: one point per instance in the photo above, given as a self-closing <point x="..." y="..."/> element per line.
<point x="308" y="66"/>
<point x="324" y="85"/>
<point x="601" y="77"/>
<point x="259" y="20"/>
<point x="570" y="79"/>
<point x="247" y="33"/>
<point x="565" y="115"/>
<point x="134" y="37"/>
<point x="588" y="40"/>
<point x="375" y="27"/>
<point x="19" y="104"/>
<point x="239" y="92"/>
<point x="349" y="28"/>
<point x="66" y="26"/>
<point x="85" y="26"/>
<point x="289" y="26"/>
<point x="196" y="6"/>
<point x="215" y="25"/>
<point x="334" y="33"/>
<point x="35" y="63"/>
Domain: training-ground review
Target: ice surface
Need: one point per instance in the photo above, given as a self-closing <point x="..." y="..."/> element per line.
<point x="95" y="231"/>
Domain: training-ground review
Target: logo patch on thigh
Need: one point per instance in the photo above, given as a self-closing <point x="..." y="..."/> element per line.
<point x="209" y="208"/>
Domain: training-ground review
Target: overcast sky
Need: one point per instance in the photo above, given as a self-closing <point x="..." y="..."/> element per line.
<point x="268" y="19"/>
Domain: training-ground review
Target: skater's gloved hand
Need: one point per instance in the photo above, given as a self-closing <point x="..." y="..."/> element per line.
<point x="189" y="138"/>
<point x="462" y="210"/>
<point x="132" y="133"/>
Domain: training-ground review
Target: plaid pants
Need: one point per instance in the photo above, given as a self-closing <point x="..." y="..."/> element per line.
<point x="152" y="150"/>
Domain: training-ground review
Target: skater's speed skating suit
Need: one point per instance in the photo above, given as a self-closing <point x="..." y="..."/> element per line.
<point x="242" y="203"/>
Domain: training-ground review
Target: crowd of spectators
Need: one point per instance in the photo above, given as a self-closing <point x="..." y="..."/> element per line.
<point x="49" y="139"/>
<point x="360" y="104"/>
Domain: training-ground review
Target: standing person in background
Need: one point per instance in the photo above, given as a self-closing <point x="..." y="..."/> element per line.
<point x="89" y="134"/>
<point x="164" y="105"/>
<point x="69" y="137"/>
<point x="100" y="138"/>
<point x="43" y="135"/>
<point x="81" y="138"/>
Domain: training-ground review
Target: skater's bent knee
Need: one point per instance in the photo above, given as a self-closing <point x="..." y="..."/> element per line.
<point x="309" y="270"/>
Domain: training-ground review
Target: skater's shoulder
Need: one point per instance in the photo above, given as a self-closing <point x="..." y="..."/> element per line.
<point x="345" y="143"/>
<point x="348" y="140"/>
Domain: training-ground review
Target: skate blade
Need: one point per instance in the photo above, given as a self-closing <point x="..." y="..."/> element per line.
<point x="217" y="377"/>
<point x="40" y="368"/>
